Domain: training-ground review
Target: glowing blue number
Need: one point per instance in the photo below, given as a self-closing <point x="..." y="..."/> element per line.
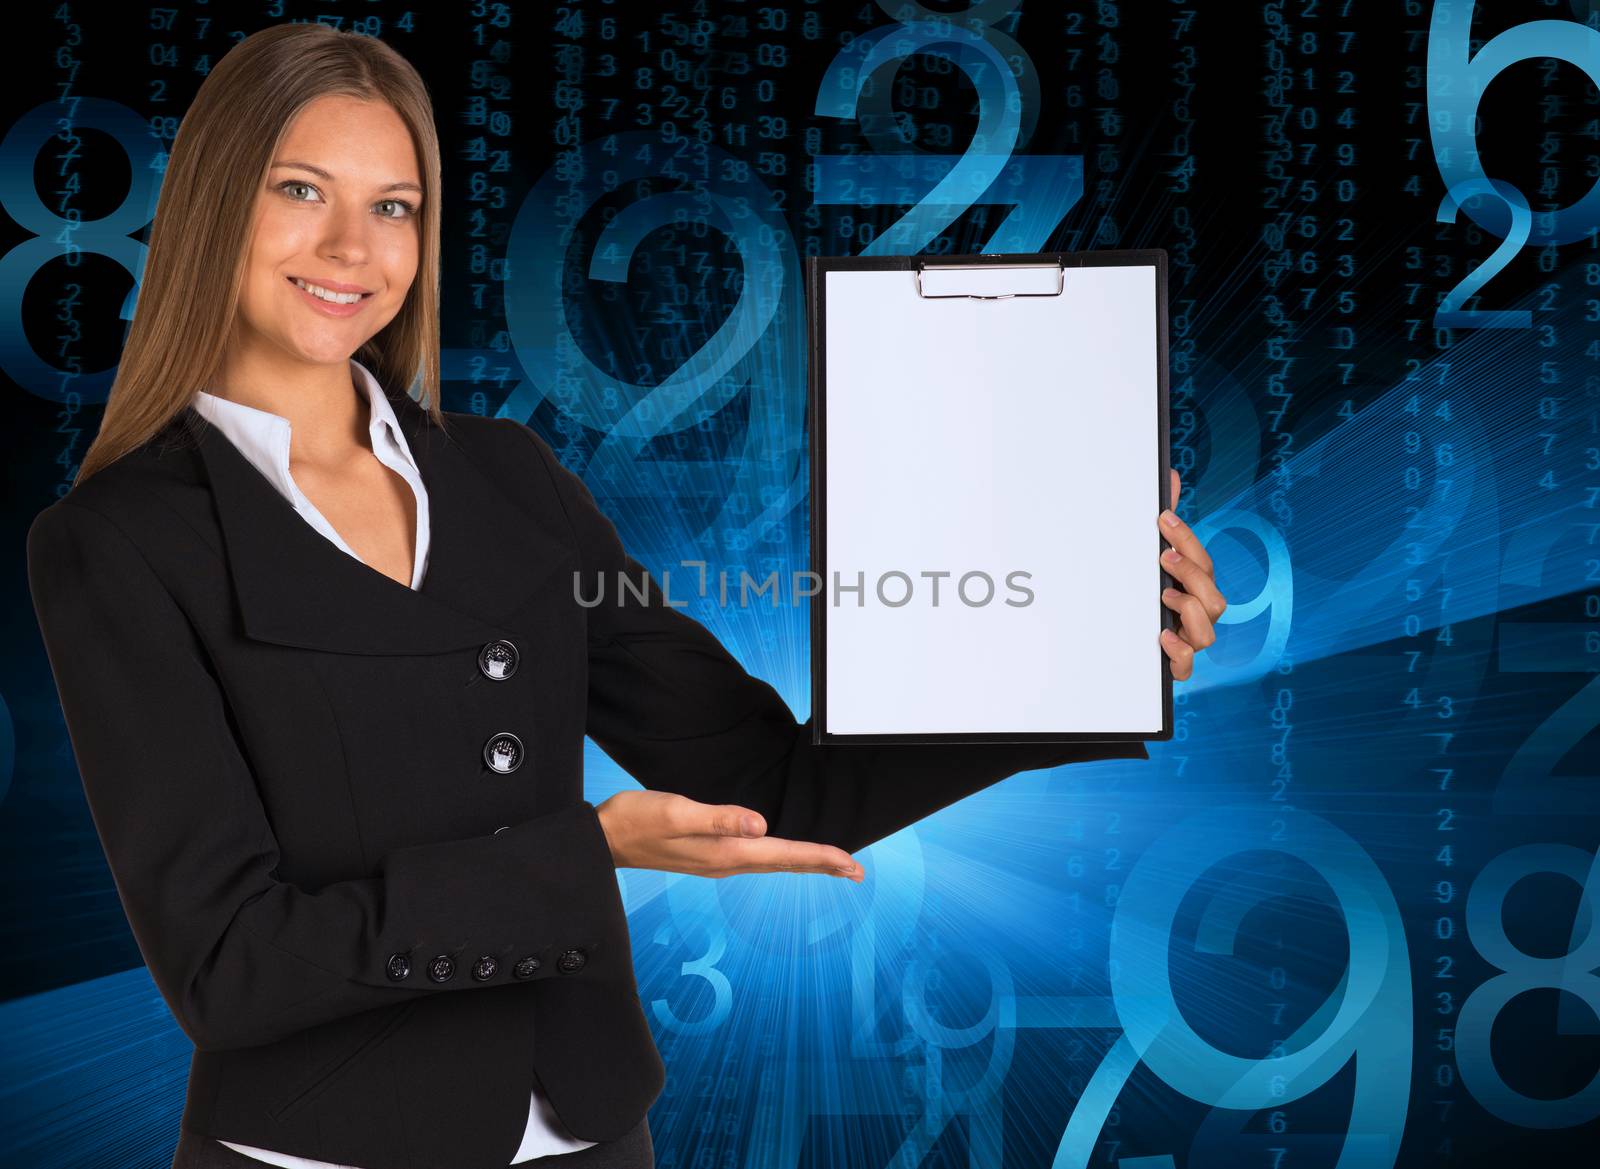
<point x="755" y="348"/>
<point x="686" y="918"/>
<point x="1451" y="315"/>
<point x="979" y="1098"/>
<point x="1456" y="82"/>
<point x="69" y="236"/>
<point x="1040" y="189"/>
<point x="1367" y="1017"/>
<point x="1573" y="972"/>
<point x="1276" y="597"/>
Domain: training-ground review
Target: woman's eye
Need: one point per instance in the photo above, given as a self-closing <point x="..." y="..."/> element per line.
<point x="403" y="209"/>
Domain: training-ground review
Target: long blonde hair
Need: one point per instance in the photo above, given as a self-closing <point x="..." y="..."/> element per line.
<point x="227" y="139"/>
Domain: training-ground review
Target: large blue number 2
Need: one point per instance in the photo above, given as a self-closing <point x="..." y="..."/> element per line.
<point x="1451" y="315"/>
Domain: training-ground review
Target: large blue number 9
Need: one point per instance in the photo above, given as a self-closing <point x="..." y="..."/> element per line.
<point x="1370" y="1024"/>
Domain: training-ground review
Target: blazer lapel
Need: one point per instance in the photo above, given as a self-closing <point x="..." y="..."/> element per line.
<point x="295" y="587"/>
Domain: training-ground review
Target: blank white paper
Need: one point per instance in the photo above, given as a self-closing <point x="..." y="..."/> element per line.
<point x="992" y="436"/>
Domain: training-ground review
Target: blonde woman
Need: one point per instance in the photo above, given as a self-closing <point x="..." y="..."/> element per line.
<point x="327" y="681"/>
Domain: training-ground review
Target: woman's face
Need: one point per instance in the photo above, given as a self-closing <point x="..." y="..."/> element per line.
<point x="340" y="210"/>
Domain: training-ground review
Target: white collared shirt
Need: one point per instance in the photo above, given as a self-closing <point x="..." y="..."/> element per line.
<point x="263" y="439"/>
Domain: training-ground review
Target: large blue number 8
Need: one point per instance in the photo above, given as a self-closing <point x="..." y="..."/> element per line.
<point x="63" y="233"/>
<point x="1573" y="972"/>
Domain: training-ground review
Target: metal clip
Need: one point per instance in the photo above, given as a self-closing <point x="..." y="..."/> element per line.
<point x="1061" y="281"/>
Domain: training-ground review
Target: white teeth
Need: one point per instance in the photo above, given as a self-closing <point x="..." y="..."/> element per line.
<point x="332" y="297"/>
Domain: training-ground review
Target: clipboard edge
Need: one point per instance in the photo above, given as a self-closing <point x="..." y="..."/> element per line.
<point x="817" y="268"/>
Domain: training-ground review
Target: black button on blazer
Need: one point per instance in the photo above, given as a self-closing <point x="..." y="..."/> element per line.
<point x="283" y="754"/>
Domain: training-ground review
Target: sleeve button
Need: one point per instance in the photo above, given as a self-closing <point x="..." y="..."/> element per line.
<point x="484" y="968"/>
<point x="399" y="967"/>
<point x="441" y="968"/>
<point x="527" y="968"/>
<point x="571" y="962"/>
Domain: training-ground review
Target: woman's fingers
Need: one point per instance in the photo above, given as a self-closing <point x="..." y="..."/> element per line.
<point x="1181" y="653"/>
<point x="1196" y="628"/>
<point x="719" y="840"/>
<point x="773" y="854"/>
<point x="681" y="816"/>
<point x="1197" y="582"/>
<point x="722" y="820"/>
<point x="675" y="834"/>
<point x="1199" y="602"/>
<point x="1181" y="536"/>
<point x="1194" y="572"/>
<point x="755" y="852"/>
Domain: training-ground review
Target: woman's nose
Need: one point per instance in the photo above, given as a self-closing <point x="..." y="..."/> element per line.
<point x="346" y="237"/>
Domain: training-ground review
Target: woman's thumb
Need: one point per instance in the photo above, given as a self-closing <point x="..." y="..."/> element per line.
<point x="749" y="823"/>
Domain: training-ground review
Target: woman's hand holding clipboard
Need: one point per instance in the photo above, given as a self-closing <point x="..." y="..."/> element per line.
<point x="1199" y="603"/>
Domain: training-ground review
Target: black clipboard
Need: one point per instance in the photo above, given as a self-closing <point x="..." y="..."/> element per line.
<point x="935" y="360"/>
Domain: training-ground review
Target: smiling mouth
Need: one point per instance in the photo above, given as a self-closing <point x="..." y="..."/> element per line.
<point x="327" y="295"/>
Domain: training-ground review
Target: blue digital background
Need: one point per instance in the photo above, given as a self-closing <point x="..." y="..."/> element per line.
<point x="1346" y="917"/>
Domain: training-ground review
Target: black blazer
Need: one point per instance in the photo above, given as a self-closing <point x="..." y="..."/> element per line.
<point x="284" y="756"/>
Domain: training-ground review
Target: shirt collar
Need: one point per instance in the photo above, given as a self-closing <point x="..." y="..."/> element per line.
<point x="263" y="437"/>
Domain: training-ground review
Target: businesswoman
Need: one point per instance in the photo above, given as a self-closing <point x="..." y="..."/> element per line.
<point x="327" y="679"/>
